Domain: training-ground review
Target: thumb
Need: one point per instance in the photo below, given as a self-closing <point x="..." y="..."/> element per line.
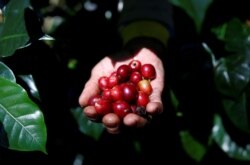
<point x="155" y="105"/>
<point x="90" y="89"/>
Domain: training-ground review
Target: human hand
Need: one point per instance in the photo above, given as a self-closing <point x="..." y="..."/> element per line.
<point x="105" y="67"/>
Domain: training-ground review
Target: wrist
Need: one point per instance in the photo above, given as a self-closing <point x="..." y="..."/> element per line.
<point x="145" y="34"/>
<point x="135" y="45"/>
<point x="147" y="29"/>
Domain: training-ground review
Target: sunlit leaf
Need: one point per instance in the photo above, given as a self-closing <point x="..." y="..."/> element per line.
<point x="86" y="126"/>
<point x="13" y="32"/>
<point x="22" y="123"/>
<point x="196" y="9"/>
<point x="6" y="72"/>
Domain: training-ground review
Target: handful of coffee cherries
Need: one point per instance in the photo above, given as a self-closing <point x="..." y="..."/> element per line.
<point x="126" y="90"/>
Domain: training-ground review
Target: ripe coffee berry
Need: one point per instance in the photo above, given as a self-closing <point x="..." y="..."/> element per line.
<point x="103" y="82"/>
<point x="135" y="65"/>
<point x="126" y="90"/>
<point x="103" y="107"/>
<point x="135" y="77"/>
<point x="145" y="86"/>
<point x="124" y="72"/>
<point x="148" y="71"/>
<point x="92" y="100"/>
<point x="121" y="108"/>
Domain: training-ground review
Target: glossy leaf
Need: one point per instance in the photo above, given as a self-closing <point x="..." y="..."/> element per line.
<point x="232" y="72"/>
<point x="196" y="9"/>
<point x="86" y="126"/>
<point x="232" y="77"/>
<point x="22" y="123"/>
<point x="33" y="90"/>
<point x="226" y="143"/>
<point x="13" y="34"/>
<point x="7" y="73"/>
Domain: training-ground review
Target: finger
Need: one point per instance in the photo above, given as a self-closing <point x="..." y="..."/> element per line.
<point x="115" y="130"/>
<point x="154" y="108"/>
<point x="90" y="89"/>
<point x="112" y="123"/>
<point x="91" y="113"/>
<point x="134" y="120"/>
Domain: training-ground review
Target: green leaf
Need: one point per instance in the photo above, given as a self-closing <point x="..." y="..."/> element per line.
<point x="174" y="99"/>
<point x="235" y="37"/>
<point x="220" y="31"/>
<point x="86" y="126"/>
<point x="7" y="73"/>
<point x="237" y="111"/>
<point x="13" y="34"/>
<point x="23" y="127"/>
<point x="30" y="82"/>
<point x="235" y="34"/>
<point x="196" y="9"/>
<point x="193" y="147"/>
<point x="232" y="74"/>
<point x="226" y="143"/>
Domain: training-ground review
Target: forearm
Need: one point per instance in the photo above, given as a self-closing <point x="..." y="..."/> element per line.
<point x="151" y="10"/>
<point x="146" y="23"/>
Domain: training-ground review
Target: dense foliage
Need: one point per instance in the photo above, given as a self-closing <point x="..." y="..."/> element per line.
<point x="43" y="50"/>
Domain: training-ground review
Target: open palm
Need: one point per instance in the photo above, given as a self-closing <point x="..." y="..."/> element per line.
<point x="104" y="68"/>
